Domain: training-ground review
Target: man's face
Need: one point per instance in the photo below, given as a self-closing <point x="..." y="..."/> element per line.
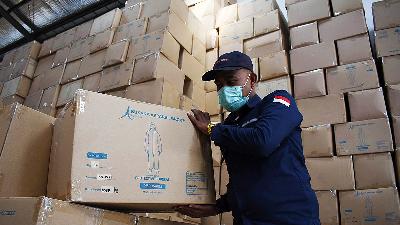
<point x="236" y="78"/>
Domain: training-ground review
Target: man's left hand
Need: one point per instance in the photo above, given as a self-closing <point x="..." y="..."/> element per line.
<point x="200" y="120"/>
<point x="198" y="211"/>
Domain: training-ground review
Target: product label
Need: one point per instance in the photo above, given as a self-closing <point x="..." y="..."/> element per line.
<point x="196" y="183"/>
<point x="96" y="155"/>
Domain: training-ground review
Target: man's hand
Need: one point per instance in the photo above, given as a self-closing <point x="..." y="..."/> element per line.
<point x="197" y="211"/>
<point x="200" y="120"/>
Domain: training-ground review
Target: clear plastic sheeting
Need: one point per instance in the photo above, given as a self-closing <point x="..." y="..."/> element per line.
<point x="8" y="34"/>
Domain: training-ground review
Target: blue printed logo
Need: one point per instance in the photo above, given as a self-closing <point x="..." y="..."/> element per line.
<point x="96" y="155"/>
<point x="152" y="186"/>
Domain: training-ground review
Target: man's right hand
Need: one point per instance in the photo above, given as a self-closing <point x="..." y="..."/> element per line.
<point x="198" y="211"/>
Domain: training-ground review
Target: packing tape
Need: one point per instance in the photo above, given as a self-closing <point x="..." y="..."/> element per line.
<point x="95" y="216"/>
<point x="46" y="210"/>
<point x="80" y="100"/>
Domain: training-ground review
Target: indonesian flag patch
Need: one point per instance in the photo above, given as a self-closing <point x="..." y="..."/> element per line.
<point x="282" y="100"/>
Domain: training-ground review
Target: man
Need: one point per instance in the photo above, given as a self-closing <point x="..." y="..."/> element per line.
<point x="261" y="143"/>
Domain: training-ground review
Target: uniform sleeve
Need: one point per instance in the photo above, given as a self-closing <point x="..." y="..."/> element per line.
<point x="223" y="203"/>
<point x="275" y="123"/>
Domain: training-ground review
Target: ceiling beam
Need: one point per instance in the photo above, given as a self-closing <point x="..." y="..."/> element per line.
<point x="19" y="14"/>
<point x="16" y="24"/>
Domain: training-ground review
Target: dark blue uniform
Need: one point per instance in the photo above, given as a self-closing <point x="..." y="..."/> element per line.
<point x="268" y="181"/>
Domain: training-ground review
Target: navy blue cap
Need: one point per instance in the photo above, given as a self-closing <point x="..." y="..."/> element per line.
<point x="229" y="61"/>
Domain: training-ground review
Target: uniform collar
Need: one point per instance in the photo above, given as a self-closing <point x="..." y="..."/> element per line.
<point x="251" y="103"/>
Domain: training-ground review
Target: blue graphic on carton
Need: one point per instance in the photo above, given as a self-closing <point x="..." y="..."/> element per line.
<point x="132" y="113"/>
<point x="96" y="155"/>
<point x="152" y="186"/>
<point x="7" y="212"/>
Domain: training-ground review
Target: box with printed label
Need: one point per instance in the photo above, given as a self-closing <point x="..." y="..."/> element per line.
<point x="367" y="105"/>
<point x="387" y="42"/>
<point x="354" y="49"/>
<point x="328" y="207"/>
<point x="393" y="94"/>
<point x="386" y="14"/>
<point x="390" y="69"/>
<point x="396" y="130"/>
<point x="236" y="32"/>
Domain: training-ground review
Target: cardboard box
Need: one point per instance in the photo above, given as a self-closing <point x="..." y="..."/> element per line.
<point x="343" y="6"/>
<point x="5" y="73"/>
<point x="156" y="184"/>
<point x="290" y="2"/>
<point x="187" y="104"/>
<point x="51" y="77"/>
<point x="255" y="7"/>
<point x="352" y="77"/>
<point x="211" y="58"/>
<point x="317" y="141"/>
<point x="11" y="100"/>
<point x="17" y="86"/>
<point x="159" y="41"/>
<point x="24" y="210"/>
<point x="390" y="66"/>
<point x="8" y="58"/>
<point x="199" y="51"/>
<point x="131" y="13"/>
<point x="212" y="103"/>
<point x="368" y="136"/>
<point x="198" y="29"/>
<point x="33" y="100"/>
<point x="265" y="44"/>
<point x="67" y="92"/>
<point x="206" y="8"/>
<point x="268" y="22"/>
<point x="217" y="160"/>
<point x="386" y="14"/>
<point x="93" y="63"/>
<point x="382" y="165"/>
<point x="396" y="130"/>
<point x="393" y="94"/>
<point x="61" y="57"/>
<point x="313" y="57"/>
<point x="159" y="92"/>
<point x="116" y="53"/>
<point x="265" y="88"/>
<point x="328" y="207"/>
<point x="361" y="206"/>
<point x="44" y="64"/>
<point x="235" y="46"/>
<point x="304" y="35"/>
<point x="24" y="67"/>
<point x="354" y="49"/>
<point x="30" y="50"/>
<point x="309" y="84"/>
<point x="236" y="32"/>
<point x="118" y="76"/>
<point x="1" y="86"/>
<point x="226" y="15"/>
<point x="130" y="30"/>
<point x="177" y="27"/>
<point x="316" y="10"/>
<point x="387" y="42"/>
<point x="210" y="86"/>
<point x="102" y="40"/>
<point x="212" y="39"/>
<point x="329" y="109"/>
<point x="118" y="93"/>
<point x="63" y="39"/>
<point x="83" y="30"/>
<point x="227" y="218"/>
<point x="46" y="48"/>
<point x="92" y="82"/>
<point x="154" y="7"/>
<point x="49" y="100"/>
<point x="71" y="71"/>
<point x="80" y="49"/>
<point x="343" y="26"/>
<point x="212" y="220"/>
<point x="274" y="65"/>
<point x="192" y="68"/>
<point x="22" y="127"/>
<point x="367" y="105"/>
<point x="334" y="173"/>
<point x="106" y="21"/>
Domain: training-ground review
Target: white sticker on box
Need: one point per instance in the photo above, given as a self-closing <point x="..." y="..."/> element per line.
<point x="104" y="177"/>
<point x="107" y="189"/>
<point x="94" y="164"/>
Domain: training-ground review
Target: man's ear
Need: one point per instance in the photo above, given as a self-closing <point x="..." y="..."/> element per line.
<point x="253" y="79"/>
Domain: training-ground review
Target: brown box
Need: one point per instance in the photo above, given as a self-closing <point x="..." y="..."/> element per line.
<point x="159" y="92"/>
<point x="328" y="207"/>
<point x="268" y="22"/>
<point x="235" y="46"/>
<point x="199" y="51"/>
<point x="92" y="82"/>
<point x="116" y="76"/>
<point x="317" y="141"/>
<point x="344" y="6"/>
<point x="343" y="26"/>
<point x="5" y="73"/>
<point x="46" y="48"/>
<point x="49" y="100"/>
<point x="116" y="53"/>
<point x="67" y="92"/>
<point x="92" y="63"/>
<point x="274" y="65"/>
<point x="192" y="68"/>
<point x="211" y="58"/>
<point x="33" y="100"/>
<point x="290" y="2"/>
<point x="82" y="144"/>
<point x="83" y="30"/>
<point x="17" y="86"/>
<point x="265" y="88"/>
<point x="49" y="78"/>
<point x="387" y="42"/>
<point x="367" y="105"/>
<point x="43" y="65"/>
<point x="198" y="29"/>
<point x="212" y="39"/>
<point x="80" y="49"/>
<point x="265" y="45"/>
<point x="393" y="95"/>
<point x="154" y="7"/>
<point x="130" y="13"/>
<point x="368" y="136"/>
<point x="130" y="30"/>
<point x="396" y="130"/>
<point x="210" y="86"/>
<point x="308" y="11"/>
<point x="71" y="71"/>
<point x="309" y="84"/>
<point x="236" y="32"/>
<point x="255" y="7"/>
<point x="11" y="100"/>
<point x="205" y="7"/>
<point x="61" y="57"/>
<point x="227" y="218"/>
<point x="390" y="69"/>
<point x="352" y="77"/>
<point x="333" y="173"/>
<point x="354" y="49"/>
<point x="43" y="210"/>
<point x="212" y="103"/>
<point x="63" y="39"/>
<point x="106" y="21"/>
<point x="313" y="57"/>
<point x="386" y="14"/>
<point x="24" y="67"/>
<point x="304" y="35"/>
<point x="383" y="171"/>
<point x="226" y="15"/>
<point x="329" y="109"/>
<point x="30" y="50"/>
<point x="25" y="135"/>
<point x="102" y="40"/>
<point x="378" y="205"/>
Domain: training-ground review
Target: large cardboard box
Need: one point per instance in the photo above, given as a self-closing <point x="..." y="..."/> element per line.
<point x="155" y="7"/>
<point x="236" y="32"/>
<point x="204" y="8"/>
<point x="265" y="45"/>
<point x="131" y="13"/>
<point x="80" y="49"/>
<point x="43" y="65"/>
<point x="63" y="39"/>
<point x="116" y="53"/>
<point x="274" y="65"/>
<point x="313" y="57"/>
<point x="61" y="57"/>
<point x="268" y="22"/>
<point x="343" y="26"/>
<point x="212" y="103"/>
<point x="17" y="86"/>
<point x="333" y="173"/>
<point x="235" y="46"/>
<point x="265" y="88"/>
<point x="92" y="63"/>
<point x="43" y="210"/>
<point x="92" y="82"/>
<point x="106" y="21"/>
<point x="49" y="100"/>
<point x="102" y="40"/>
<point x="352" y="77"/>
<point x="362" y="206"/>
<point x="304" y="35"/>
<point x="199" y="51"/>
<point x="390" y="69"/>
<point x="192" y="68"/>
<point x="393" y="94"/>
<point x="329" y="109"/>
<point x="211" y="58"/>
<point x="227" y="218"/>
<point x="198" y="29"/>
<point x="30" y="50"/>
<point x="367" y="105"/>
<point x="212" y="39"/>
<point x="354" y="49"/>
<point x="382" y="165"/>
<point x="226" y="15"/>
<point x="309" y="84"/>
<point x="386" y="14"/>
<point x="117" y="76"/>
<point x="317" y="141"/>
<point x="25" y="139"/>
<point x="290" y="2"/>
<point x="308" y="11"/>
<point x="387" y="42"/>
<point x="130" y="30"/>
<point x="46" y="48"/>
<point x="328" y="207"/>
<point x="33" y="99"/>
<point x="83" y="30"/>
<point x="344" y="6"/>
<point x="104" y="151"/>
<point x="11" y="100"/>
<point x="67" y="92"/>
<point x="71" y="71"/>
<point x="396" y="130"/>
<point x="368" y="136"/>
<point x="24" y="67"/>
<point x="255" y="7"/>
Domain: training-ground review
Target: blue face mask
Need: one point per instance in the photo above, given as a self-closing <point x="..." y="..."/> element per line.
<point x="231" y="97"/>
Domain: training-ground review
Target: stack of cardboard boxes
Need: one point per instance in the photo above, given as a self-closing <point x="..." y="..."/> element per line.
<point x="346" y="132"/>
